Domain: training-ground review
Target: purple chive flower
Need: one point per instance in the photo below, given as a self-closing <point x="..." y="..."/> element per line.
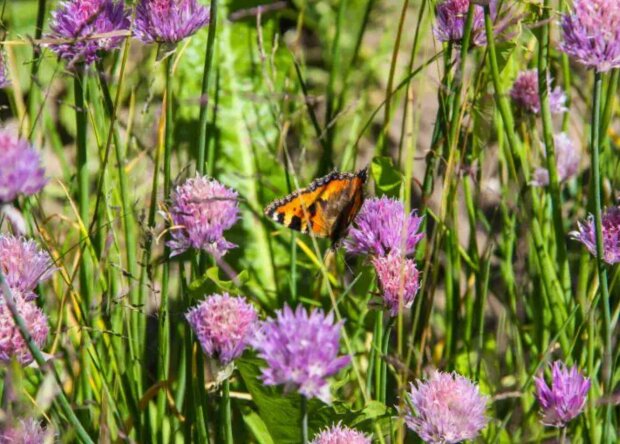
<point x="567" y="158"/>
<point x="22" y="172"/>
<point x="28" y="431"/>
<point x="566" y="397"/>
<point x="12" y="345"/>
<point x="4" y="76"/>
<point x="451" y="19"/>
<point x="339" y="434"/>
<point x="169" y="21"/>
<point x="524" y="93"/>
<point x="201" y="210"/>
<point x="399" y="280"/>
<point x="448" y="409"/>
<point x="301" y="350"/>
<point x="82" y="23"/>
<point x="586" y="234"/>
<point x="592" y="34"/>
<point x="382" y="227"/>
<point x="223" y="325"/>
<point x="23" y="265"/>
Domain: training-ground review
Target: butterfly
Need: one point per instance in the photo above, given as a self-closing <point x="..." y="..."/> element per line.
<point x="325" y="208"/>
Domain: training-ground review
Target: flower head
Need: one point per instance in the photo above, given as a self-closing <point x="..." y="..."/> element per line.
<point x="566" y="397"/>
<point x="83" y="24"/>
<point x="338" y="434"/>
<point x="566" y="158"/>
<point x="23" y="265"/>
<point x="26" y="431"/>
<point x="4" y="79"/>
<point x="201" y="210"/>
<point x="223" y="325"/>
<point x="169" y="21"/>
<point x="451" y="19"/>
<point x="21" y="172"/>
<point x="399" y="280"/>
<point x="524" y="93"/>
<point x="592" y="33"/>
<point x="610" y="222"/>
<point x="11" y="342"/>
<point x="448" y="409"/>
<point x="301" y="350"/>
<point x="382" y="227"/>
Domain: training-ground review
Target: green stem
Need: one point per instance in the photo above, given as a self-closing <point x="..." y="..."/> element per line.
<point x="602" y="270"/>
<point x="378" y="346"/>
<point x="226" y="415"/>
<point x="40" y="360"/>
<point x="304" y="420"/>
<point x="554" y="182"/>
<point x="204" y="94"/>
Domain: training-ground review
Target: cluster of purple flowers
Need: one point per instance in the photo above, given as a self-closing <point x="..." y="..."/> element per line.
<point x="524" y="93"/>
<point x="567" y="158"/>
<point x="85" y="29"/>
<point x="386" y="233"/>
<point x="26" y="176"/>
<point x="451" y="19"/>
<point x="25" y="431"/>
<point x="339" y="434"/>
<point x="23" y="266"/>
<point x="586" y="234"/>
<point x="201" y="210"/>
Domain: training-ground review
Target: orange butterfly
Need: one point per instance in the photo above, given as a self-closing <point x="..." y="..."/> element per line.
<point x="326" y="207"/>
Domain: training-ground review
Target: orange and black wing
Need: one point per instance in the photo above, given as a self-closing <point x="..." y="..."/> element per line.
<point x="325" y="208"/>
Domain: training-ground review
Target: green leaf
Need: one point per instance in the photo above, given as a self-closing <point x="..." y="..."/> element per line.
<point x="257" y="427"/>
<point x="387" y="178"/>
<point x="200" y="284"/>
<point x="504" y="52"/>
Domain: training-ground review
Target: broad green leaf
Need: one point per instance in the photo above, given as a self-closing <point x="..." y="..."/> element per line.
<point x="386" y="176"/>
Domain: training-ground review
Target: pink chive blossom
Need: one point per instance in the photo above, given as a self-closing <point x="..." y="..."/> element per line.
<point x="524" y="94"/>
<point x="23" y="265"/>
<point x="28" y="431"/>
<point x="169" y="21"/>
<point x="89" y="28"/>
<point x="565" y="399"/>
<point x="382" y="227"/>
<point x="567" y="159"/>
<point x="591" y="34"/>
<point x="586" y="234"/>
<point x="201" y="210"/>
<point x="223" y="325"/>
<point x="451" y="18"/>
<point x="12" y="345"/>
<point x="22" y="173"/>
<point x="339" y="434"/>
<point x="301" y="351"/>
<point x="399" y="281"/>
<point x="447" y="408"/>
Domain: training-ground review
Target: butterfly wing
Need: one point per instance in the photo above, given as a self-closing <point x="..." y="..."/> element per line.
<point x="325" y="208"/>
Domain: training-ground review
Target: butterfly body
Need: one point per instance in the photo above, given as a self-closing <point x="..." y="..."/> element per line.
<point x="325" y="208"/>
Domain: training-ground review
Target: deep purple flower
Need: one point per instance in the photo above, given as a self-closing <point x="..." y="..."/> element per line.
<point x="223" y="325"/>
<point x="26" y="431"/>
<point x="448" y="409"/>
<point x="81" y="23"/>
<point x="382" y="227"/>
<point x="610" y="222"/>
<point x="4" y="77"/>
<point x="339" y="434"/>
<point x="592" y="34"/>
<point x="23" y="265"/>
<point x="21" y="172"/>
<point x="169" y="21"/>
<point x="301" y="351"/>
<point x="567" y="158"/>
<point x="398" y="279"/>
<point x="524" y="93"/>
<point x="566" y="397"/>
<point x="201" y="210"/>
<point x="451" y="19"/>
<point x="12" y="345"/>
